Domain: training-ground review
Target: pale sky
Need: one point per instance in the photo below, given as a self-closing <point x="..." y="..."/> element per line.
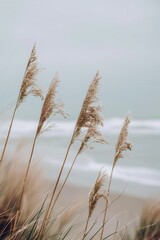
<point x="121" y="38"/>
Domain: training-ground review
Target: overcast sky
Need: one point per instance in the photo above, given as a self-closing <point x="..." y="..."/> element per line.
<point x="121" y="38"/>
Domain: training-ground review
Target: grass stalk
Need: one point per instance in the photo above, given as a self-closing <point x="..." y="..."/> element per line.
<point x="45" y="220"/>
<point x="106" y="205"/>
<point x="86" y="226"/>
<point x="28" y="86"/>
<point x="8" y="135"/>
<point x="95" y="195"/>
<point x="28" y="168"/>
<point x="64" y="182"/>
<point x="122" y="145"/>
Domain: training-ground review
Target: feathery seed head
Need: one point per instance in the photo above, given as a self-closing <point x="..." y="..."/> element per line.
<point x="90" y="118"/>
<point x="123" y="144"/>
<point x="50" y="106"/>
<point x="92" y="136"/>
<point x="88" y="107"/>
<point x="29" y="81"/>
<point x="96" y="194"/>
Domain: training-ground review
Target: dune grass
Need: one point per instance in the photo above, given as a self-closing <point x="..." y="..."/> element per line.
<point x="28" y="202"/>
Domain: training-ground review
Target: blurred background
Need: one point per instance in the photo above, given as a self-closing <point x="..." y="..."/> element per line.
<point x="121" y="39"/>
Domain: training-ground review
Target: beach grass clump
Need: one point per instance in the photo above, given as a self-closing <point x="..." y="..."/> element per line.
<point x="27" y="224"/>
<point x="149" y="225"/>
<point x="11" y="182"/>
<point x="28" y="202"/>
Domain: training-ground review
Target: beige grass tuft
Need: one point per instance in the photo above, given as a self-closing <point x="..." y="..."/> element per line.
<point x="11" y="182"/>
<point x="29" y="85"/>
<point x="89" y="116"/>
<point x="123" y="144"/>
<point x="96" y="192"/>
<point x="50" y="106"/>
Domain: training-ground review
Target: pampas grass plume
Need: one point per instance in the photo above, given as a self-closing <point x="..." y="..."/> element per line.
<point x="50" y="105"/>
<point x="123" y="144"/>
<point x="96" y="193"/>
<point x="29" y="85"/>
<point x="90" y="113"/>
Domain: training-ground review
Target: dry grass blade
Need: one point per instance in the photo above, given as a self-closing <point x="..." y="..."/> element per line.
<point x="50" y="106"/>
<point x="29" y="85"/>
<point x="149" y="226"/>
<point x="62" y="221"/>
<point x="9" y="200"/>
<point x="123" y="144"/>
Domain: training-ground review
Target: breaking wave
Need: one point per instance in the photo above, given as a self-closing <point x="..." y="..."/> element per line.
<point x="22" y="128"/>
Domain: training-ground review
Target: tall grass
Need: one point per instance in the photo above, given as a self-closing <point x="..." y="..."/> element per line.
<point x="28" y="203"/>
<point x="28" y="86"/>
<point x="50" y="107"/>
<point x="89" y="121"/>
<point x="122" y="145"/>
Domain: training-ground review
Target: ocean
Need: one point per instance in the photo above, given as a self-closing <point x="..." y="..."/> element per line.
<point x="137" y="174"/>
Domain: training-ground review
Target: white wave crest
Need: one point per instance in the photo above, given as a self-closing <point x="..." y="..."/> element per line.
<point x="27" y="128"/>
<point x="137" y="175"/>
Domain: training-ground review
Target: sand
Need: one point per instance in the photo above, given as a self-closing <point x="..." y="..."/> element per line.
<point x="126" y="209"/>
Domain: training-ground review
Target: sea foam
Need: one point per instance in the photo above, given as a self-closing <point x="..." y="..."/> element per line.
<point x="22" y="128"/>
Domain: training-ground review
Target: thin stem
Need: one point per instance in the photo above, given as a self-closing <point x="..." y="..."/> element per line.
<point x="97" y="230"/>
<point x="28" y="168"/>
<point x="61" y="170"/>
<point x="90" y="229"/>
<point x="64" y="182"/>
<point x="86" y="226"/>
<point x="53" y="193"/>
<point x="106" y="205"/>
<point x="116" y="230"/>
<point x="8" y="135"/>
<point x="11" y="123"/>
